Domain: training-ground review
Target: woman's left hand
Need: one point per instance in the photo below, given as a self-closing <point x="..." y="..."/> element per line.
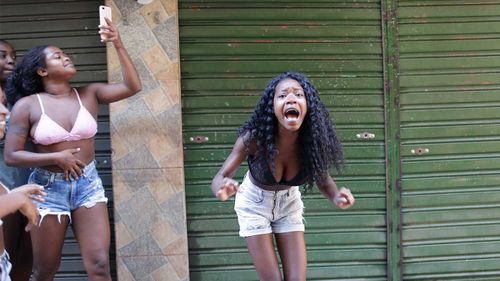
<point x="109" y="33"/>
<point x="343" y="198"/>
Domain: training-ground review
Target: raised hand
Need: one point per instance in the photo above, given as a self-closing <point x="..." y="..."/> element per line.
<point x="343" y="198"/>
<point x="229" y="188"/>
<point x="109" y="33"/>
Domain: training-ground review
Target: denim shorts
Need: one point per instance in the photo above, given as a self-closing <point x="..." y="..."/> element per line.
<point x="261" y="211"/>
<point x="5" y="267"/>
<point x="65" y="196"/>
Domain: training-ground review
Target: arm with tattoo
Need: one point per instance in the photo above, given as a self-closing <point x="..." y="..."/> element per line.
<point x="15" y="140"/>
<point x="19" y="130"/>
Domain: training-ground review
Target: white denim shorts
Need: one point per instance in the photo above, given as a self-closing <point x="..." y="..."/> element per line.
<point x="261" y="211"/>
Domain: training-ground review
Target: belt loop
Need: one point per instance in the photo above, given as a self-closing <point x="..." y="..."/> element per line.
<point x="52" y="177"/>
<point x="84" y="170"/>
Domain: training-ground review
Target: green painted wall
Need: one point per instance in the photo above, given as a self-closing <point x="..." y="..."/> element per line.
<point x="449" y="93"/>
<point x="422" y="76"/>
<point x="229" y="51"/>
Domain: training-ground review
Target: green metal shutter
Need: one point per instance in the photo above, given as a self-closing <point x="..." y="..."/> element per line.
<point x="72" y="26"/>
<point x="229" y="51"/>
<point x="450" y="144"/>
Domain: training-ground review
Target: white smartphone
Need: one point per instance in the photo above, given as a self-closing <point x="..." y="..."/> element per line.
<point x="104" y="11"/>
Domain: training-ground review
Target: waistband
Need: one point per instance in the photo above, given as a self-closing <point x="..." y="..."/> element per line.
<point x="60" y="176"/>
<point x="276" y="187"/>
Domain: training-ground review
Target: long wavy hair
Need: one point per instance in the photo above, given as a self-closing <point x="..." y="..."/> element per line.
<point x="320" y="147"/>
<point x="24" y="80"/>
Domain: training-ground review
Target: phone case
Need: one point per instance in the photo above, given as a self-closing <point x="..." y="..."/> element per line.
<point x="104" y="11"/>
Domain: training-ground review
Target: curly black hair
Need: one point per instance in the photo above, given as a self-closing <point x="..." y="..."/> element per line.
<point x="320" y="146"/>
<point x="24" y="80"/>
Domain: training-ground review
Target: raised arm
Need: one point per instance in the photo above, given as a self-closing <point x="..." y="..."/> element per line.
<point x="341" y="197"/>
<point x="223" y="185"/>
<point x="131" y="83"/>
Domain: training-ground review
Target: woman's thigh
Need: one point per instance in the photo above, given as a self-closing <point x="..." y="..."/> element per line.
<point x="292" y="249"/>
<point x="47" y="241"/>
<point x="261" y="248"/>
<point x="91" y="228"/>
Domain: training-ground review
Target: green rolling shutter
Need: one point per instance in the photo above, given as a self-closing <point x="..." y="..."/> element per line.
<point x="72" y="26"/>
<point x="450" y="145"/>
<point x="229" y="51"/>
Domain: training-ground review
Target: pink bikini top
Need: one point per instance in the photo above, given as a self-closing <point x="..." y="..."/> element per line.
<point x="49" y="132"/>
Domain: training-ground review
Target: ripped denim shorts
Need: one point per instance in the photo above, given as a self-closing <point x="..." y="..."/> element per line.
<point x="65" y="196"/>
<point x="5" y="267"/>
<point x="262" y="211"/>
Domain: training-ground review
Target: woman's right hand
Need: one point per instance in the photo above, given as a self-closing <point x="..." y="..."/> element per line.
<point x="229" y="188"/>
<point x="71" y="166"/>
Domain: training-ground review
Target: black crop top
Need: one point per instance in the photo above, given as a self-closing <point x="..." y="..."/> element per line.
<point x="261" y="175"/>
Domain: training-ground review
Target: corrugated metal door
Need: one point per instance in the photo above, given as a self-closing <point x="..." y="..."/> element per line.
<point x="71" y="25"/>
<point x="229" y="51"/>
<point x="450" y="112"/>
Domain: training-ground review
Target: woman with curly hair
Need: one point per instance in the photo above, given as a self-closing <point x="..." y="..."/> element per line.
<point x="61" y="122"/>
<point x="288" y="141"/>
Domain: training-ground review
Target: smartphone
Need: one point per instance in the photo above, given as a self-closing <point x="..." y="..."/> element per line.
<point x="104" y="11"/>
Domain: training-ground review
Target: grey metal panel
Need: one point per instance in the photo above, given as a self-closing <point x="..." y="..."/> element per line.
<point x="71" y="25"/>
<point x="450" y="104"/>
<point x="229" y="51"/>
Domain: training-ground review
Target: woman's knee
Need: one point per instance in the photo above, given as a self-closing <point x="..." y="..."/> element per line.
<point x="298" y="277"/>
<point x="98" y="264"/>
<point x="45" y="270"/>
<point x="270" y="275"/>
<point x="295" y="274"/>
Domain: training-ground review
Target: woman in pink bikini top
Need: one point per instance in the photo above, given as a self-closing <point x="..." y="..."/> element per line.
<point x="60" y="119"/>
<point x="48" y="132"/>
<point x="61" y="122"/>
